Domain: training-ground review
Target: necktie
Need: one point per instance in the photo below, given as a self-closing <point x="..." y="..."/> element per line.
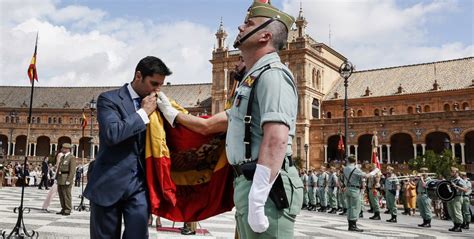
<point x="138" y="103"/>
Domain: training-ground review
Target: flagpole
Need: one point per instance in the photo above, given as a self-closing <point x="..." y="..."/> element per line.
<point x="20" y="231"/>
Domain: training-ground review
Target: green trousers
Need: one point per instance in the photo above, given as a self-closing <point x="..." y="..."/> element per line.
<point x="391" y="202"/>
<point x="305" y="196"/>
<point x="312" y="196"/>
<point x="332" y="196"/>
<point x="323" y="196"/>
<point x="465" y="209"/>
<point x="424" y="205"/>
<point x="281" y="221"/>
<point x="374" y="199"/>
<point x="341" y="199"/>
<point x="353" y="203"/>
<point x="454" y="209"/>
<point x="64" y="192"/>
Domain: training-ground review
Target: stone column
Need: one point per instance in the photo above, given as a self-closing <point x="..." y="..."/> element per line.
<point x="76" y="150"/>
<point x="9" y="148"/>
<point x="453" y="149"/>
<point x="414" y="150"/>
<point x="380" y="152"/>
<point x="13" y="149"/>
<point x="423" y="147"/>
<point x="388" y="153"/>
<point x="463" y="156"/>
<point x="50" y="148"/>
<point x="325" y="153"/>
<point x="34" y="151"/>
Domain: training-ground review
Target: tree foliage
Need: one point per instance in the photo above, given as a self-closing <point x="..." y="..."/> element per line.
<point x="436" y="163"/>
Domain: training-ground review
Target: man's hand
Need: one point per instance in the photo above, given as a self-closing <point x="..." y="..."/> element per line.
<point x="258" y="195"/>
<point x="149" y="103"/>
<point x="169" y="112"/>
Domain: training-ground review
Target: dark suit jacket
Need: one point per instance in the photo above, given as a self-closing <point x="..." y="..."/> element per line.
<point x="44" y="168"/>
<point x="122" y="139"/>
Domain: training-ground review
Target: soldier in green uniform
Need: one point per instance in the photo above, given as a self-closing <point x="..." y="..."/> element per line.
<point x="341" y="197"/>
<point x="455" y="205"/>
<point x="322" y="189"/>
<point x="65" y="177"/>
<point x="466" y="201"/>
<point x="312" y="181"/>
<point x="304" y="180"/>
<point x="316" y="190"/>
<point x="353" y="178"/>
<point x="392" y="192"/>
<point x="260" y="128"/>
<point x="422" y="200"/>
<point x="373" y="183"/>
<point x="332" y="190"/>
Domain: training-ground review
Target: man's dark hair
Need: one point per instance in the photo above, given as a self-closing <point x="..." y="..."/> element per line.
<point x="279" y="34"/>
<point x="151" y="65"/>
<point x="351" y="159"/>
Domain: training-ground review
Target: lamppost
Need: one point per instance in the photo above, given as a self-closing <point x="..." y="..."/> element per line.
<point x="345" y="70"/>
<point x="306" y="146"/>
<point x="93" y="107"/>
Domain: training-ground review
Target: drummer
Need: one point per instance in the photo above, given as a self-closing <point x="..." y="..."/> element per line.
<point x="422" y="199"/>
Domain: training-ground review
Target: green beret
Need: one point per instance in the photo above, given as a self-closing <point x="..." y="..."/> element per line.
<point x="262" y="8"/>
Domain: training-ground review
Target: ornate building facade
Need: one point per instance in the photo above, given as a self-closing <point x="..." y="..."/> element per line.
<point x="412" y="108"/>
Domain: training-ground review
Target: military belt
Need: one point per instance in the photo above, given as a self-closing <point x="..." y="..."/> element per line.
<point x="238" y="167"/>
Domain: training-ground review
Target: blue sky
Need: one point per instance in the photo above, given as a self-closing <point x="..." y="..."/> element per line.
<point x="99" y="42"/>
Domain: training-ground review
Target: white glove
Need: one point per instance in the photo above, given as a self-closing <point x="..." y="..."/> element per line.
<point x="169" y="112"/>
<point x="373" y="172"/>
<point x="258" y="195"/>
<point x="67" y="183"/>
<point x="396" y="195"/>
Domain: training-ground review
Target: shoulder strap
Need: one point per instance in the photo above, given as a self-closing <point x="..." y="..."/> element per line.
<point x="248" y="116"/>
<point x="350" y="175"/>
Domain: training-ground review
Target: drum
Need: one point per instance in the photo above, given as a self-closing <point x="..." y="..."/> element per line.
<point x="441" y="189"/>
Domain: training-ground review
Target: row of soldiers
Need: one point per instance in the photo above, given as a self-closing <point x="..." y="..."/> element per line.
<point x="342" y="190"/>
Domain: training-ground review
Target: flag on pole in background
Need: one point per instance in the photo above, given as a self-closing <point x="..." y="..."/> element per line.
<point x="32" y="74"/>
<point x="340" y="145"/>
<point x="375" y="145"/>
<point x="83" y="120"/>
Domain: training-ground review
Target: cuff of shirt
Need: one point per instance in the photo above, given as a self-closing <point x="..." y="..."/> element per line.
<point x="276" y="117"/>
<point x="143" y="115"/>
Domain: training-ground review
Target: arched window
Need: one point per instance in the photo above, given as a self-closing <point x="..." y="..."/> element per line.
<point x="7" y="119"/>
<point x="410" y="110"/>
<point x="376" y="112"/>
<point x="315" y="109"/>
<point x="318" y="80"/>
<point x="313" y="78"/>
<point x="359" y="113"/>
<point x="71" y="121"/>
<point x="38" y="120"/>
<point x="427" y="108"/>
<point x="33" y="120"/>
<point x="60" y="120"/>
<point x="465" y="106"/>
<point x="447" y="107"/>
<point x="392" y="111"/>
<point x="328" y="115"/>
<point x="49" y="120"/>
<point x="54" y="120"/>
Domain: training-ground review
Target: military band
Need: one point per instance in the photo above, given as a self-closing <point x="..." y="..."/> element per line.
<point x="343" y="189"/>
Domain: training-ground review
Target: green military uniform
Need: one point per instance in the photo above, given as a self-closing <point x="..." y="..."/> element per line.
<point x="455" y="205"/>
<point x="304" y="180"/>
<point x="341" y="199"/>
<point x="332" y="192"/>
<point x="312" y="181"/>
<point x="391" y="185"/>
<point x="322" y="189"/>
<point x="65" y="178"/>
<point x="465" y="204"/>
<point x="373" y="184"/>
<point x="316" y="189"/>
<point x="423" y="202"/>
<point x="275" y="100"/>
<point x="353" y="180"/>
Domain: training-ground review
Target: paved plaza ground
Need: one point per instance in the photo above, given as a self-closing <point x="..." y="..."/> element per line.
<point x="308" y="225"/>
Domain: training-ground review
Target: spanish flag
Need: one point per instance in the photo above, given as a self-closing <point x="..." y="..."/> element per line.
<point x="83" y="121"/>
<point x="32" y="74"/>
<point x="188" y="175"/>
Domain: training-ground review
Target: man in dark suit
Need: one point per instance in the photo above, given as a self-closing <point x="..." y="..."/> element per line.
<point x="44" y="174"/>
<point x="117" y="186"/>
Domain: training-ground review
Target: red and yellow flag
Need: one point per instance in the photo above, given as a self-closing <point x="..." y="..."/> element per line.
<point x="32" y="74"/>
<point x="188" y="175"/>
<point x="83" y="121"/>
